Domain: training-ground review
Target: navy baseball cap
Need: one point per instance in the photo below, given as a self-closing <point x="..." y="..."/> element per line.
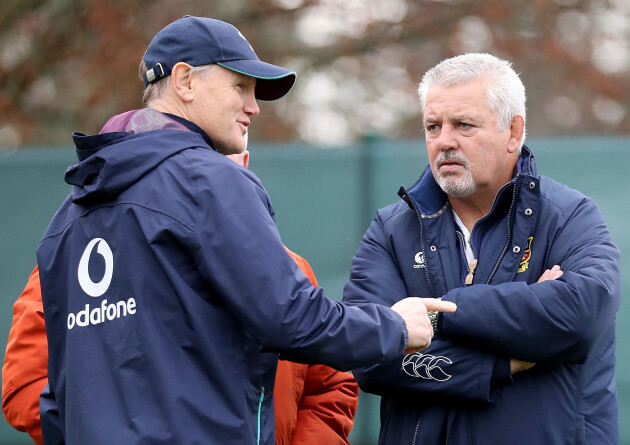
<point x="203" y="41"/>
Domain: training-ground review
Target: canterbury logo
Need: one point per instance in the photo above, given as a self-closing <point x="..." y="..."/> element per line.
<point x="419" y="258"/>
<point x="426" y="366"/>
<point x="90" y="287"/>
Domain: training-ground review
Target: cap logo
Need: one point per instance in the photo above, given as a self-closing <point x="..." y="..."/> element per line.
<point x="243" y="37"/>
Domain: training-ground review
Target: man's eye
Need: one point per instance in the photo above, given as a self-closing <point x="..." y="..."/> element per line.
<point x="464" y="125"/>
<point x="432" y="127"/>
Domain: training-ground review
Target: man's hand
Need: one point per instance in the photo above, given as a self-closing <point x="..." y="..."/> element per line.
<point x="519" y="365"/>
<point x="550" y="274"/>
<point x="414" y="311"/>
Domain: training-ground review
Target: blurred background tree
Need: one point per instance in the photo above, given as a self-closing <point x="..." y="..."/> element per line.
<point x="68" y="65"/>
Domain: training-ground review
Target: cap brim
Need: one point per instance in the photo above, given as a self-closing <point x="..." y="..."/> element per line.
<point x="273" y="81"/>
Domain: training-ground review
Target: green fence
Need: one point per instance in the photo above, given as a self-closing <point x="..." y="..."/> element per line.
<point x="324" y="200"/>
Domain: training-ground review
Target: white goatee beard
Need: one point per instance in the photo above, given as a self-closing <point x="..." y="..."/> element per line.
<point x="451" y="185"/>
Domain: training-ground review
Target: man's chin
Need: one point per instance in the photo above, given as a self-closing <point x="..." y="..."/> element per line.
<point x="231" y="149"/>
<point x="455" y="188"/>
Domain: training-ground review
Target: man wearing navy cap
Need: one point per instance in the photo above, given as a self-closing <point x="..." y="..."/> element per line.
<point x="167" y="291"/>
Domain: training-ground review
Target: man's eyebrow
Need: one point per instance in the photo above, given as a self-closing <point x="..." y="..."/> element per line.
<point x="465" y="117"/>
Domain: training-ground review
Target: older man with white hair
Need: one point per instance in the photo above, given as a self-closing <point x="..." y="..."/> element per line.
<point x="529" y="356"/>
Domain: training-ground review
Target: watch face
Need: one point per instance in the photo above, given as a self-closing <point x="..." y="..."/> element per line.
<point x="433" y="318"/>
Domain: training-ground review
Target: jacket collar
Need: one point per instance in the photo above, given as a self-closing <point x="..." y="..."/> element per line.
<point x="430" y="199"/>
<point x="129" y="146"/>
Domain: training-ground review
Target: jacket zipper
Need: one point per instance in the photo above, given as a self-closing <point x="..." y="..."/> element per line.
<point x="496" y="266"/>
<point x="422" y="246"/>
<point x="415" y="432"/>
<point x="472" y="264"/>
<point x="426" y="274"/>
<point x="260" y="402"/>
<point x="509" y="237"/>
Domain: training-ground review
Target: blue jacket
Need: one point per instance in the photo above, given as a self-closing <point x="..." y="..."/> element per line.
<point x="459" y="390"/>
<point x="168" y="295"/>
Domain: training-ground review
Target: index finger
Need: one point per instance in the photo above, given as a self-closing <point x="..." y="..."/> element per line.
<point x="434" y="304"/>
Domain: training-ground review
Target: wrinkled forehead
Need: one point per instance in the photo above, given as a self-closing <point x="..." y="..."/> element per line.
<point x="459" y="96"/>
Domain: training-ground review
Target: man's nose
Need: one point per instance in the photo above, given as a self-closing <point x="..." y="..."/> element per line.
<point x="250" y="107"/>
<point x="447" y="138"/>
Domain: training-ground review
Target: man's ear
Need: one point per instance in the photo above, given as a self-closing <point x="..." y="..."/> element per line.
<point x="181" y="80"/>
<point x="517" y="127"/>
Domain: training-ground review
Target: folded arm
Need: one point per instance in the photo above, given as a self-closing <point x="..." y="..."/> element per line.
<point x="555" y="321"/>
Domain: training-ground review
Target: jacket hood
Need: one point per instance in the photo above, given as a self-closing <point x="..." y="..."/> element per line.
<point x="124" y="152"/>
<point x="431" y="199"/>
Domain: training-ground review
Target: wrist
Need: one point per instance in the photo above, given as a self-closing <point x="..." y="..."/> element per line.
<point x="433" y="317"/>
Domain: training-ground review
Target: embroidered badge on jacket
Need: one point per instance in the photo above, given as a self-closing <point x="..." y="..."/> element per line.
<point x="526" y="256"/>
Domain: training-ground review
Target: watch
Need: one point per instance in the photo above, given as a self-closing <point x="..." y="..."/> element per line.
<point x="433" y="315"/>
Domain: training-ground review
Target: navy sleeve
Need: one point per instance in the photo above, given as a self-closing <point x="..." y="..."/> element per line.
<point x="445" y="370"/>
<point x="240" y="253"/>
<point x="553" y="321"/>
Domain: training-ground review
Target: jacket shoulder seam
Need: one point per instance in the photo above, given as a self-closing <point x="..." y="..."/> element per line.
<point x="393" y="213"/>
<point x="65" y="227"/>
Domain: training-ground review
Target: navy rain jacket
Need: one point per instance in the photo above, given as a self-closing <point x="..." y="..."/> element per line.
<point x="459" y="390"/>
<point x="168" y="295"/>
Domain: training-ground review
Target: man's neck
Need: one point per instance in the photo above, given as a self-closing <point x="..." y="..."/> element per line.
<point x="472" y="208"/>
<point x="179" y="117"/>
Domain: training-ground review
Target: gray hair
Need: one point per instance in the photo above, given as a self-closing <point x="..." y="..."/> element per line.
<point x="504" y="89"/>
<point x="155" y="90"/>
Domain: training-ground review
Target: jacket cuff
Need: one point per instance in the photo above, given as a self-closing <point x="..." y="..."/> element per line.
<point x="501" y="373"/>
<point x="405" y="333"/>
<point x="439" y="324"/>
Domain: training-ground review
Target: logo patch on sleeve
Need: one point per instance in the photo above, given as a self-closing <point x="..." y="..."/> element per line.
<point x="426" y="366"/>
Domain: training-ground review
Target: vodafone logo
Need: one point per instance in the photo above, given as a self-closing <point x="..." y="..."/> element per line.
<point x="90" y="287"/>
<point x="105" y="311"/>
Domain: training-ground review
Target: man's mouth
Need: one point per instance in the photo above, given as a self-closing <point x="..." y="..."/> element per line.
<point x="449" y="165"/>
<point x="244" y="125"/>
